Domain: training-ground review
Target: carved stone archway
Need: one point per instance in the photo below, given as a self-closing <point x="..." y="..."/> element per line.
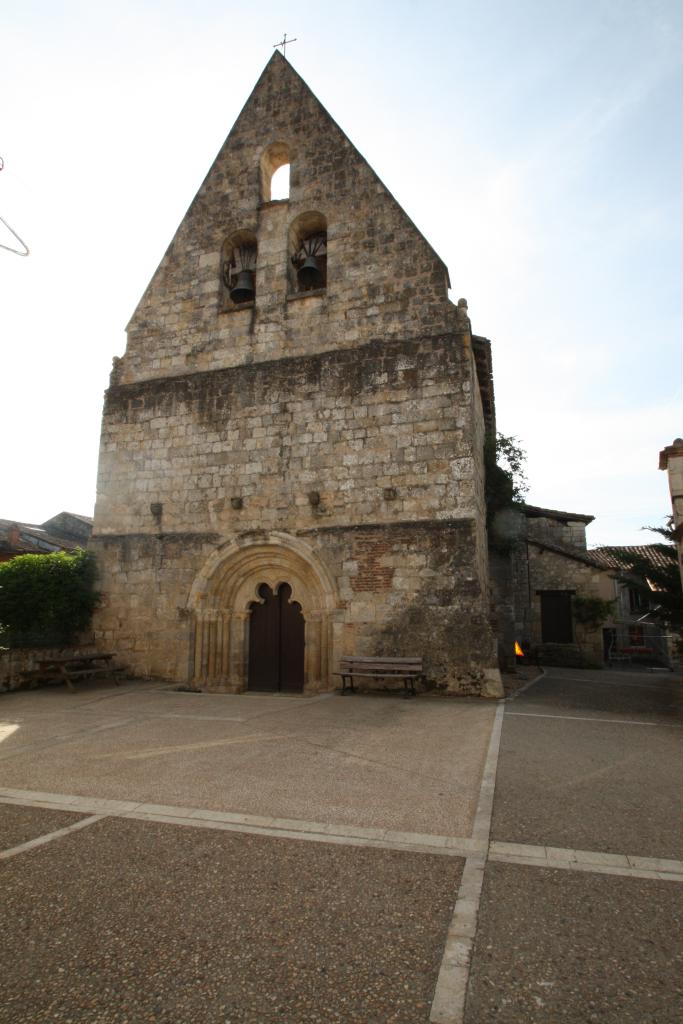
<point x="227" y="586"/>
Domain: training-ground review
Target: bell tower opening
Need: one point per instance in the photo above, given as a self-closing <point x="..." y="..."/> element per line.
<point x="275" y="165"/>
<point x="238" y="269"/>
<point x="279" y="183"/>
<point x="308" y="253"/>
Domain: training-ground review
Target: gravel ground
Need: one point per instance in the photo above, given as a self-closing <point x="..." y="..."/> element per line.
<point x="643" y="696"/>
<point x="555" y="947"/>
<point x="590" y="787"/>
<point x="407" y="765"/>
<point x="578" y="779"/>
<point x="19" y="824"/>
<point x="131" y="921"/>
<point x="515" y="681"/>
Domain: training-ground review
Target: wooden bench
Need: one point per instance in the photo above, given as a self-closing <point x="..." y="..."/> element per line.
<point x="68" y="667"/>
<point x="403" y="669"/>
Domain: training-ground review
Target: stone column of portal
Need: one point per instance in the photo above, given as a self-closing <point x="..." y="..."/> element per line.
<point x="212" y="638"/>
<point x="239" y="652"/>
<point x="671" y="459"/>
<point x="325" y="668"/>
<point x="312" y="652"/>
<point x="199" y="648"/>
<point x="224" y="664"/>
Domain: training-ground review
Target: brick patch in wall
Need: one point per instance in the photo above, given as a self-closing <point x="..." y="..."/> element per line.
<point x="371" y="576"/>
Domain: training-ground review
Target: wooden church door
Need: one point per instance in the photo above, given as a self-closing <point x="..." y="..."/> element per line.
<point x="276" y="642"/>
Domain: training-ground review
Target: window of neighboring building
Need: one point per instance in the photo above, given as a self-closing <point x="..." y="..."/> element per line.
<point x="556" y="617"/>
<point x="637" y="600"/>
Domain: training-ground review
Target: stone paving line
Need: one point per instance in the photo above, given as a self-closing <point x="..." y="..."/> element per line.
<point x="448" y="1005"/>
<point x="587" y="860"/>
<point x="31" y="844"/>
<point x="475" y="846"/>
<point x="312" y="831"/>
<point x="594" y="718"/>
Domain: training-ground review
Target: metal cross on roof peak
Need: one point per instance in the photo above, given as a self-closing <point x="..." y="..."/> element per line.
<point x="284" y="43"/>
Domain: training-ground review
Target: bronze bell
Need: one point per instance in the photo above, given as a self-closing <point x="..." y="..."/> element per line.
<point x="310" y="275"/>
<point x="243" y="288"/>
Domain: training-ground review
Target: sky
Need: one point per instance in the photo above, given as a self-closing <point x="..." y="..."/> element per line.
<point x="537" y="144"/>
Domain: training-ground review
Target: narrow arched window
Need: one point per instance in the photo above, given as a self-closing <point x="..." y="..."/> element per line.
<point x="275" y="163"/>
<point x="279" y="183"/>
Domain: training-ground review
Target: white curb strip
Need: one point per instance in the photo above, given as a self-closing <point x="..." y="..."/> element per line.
<point x="448" y="1006"/>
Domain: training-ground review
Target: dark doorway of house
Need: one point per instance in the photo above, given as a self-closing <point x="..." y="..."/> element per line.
<point x="556" y="617"/>
<point x="276" y="642"/>
<point x="609" y="643"/>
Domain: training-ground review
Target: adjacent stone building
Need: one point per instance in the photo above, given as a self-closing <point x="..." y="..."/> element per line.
<point x="64" y="532"/>
<point x="291" y="463"/>
<point x="671" y="459"/>
<point x="539" y="564"/>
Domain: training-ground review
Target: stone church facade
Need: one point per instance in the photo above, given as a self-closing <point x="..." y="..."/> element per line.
<point x="291" y="463"/>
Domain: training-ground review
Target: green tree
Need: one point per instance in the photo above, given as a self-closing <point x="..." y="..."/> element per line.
<point x="659" y="581"/>
<point x="46" y="599"/>
<point x="510" y="453"/>
<point x="589" y="613"/>
<point x="506" y="483"/>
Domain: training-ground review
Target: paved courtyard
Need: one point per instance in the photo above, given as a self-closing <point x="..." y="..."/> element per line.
<point x="173" y="856"/>
<point x="379" y="762"/>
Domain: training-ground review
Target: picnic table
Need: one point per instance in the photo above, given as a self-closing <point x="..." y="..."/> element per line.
<point x="67" y="667"/>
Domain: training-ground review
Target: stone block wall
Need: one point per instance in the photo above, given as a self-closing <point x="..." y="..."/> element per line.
<point x="143" y="616"/>
<point x="404" y="590"/>
<point x="384" y="437"/>
<point x="383" y="277"/>
<point x="412" y="589"/>
<point x="571" y="533"/>
<point x="384" y="433"/>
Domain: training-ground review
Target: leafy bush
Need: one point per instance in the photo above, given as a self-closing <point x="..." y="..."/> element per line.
<point x="591" y="612"/>
<point x="46" y="600"/>
<point x="506" y="484"/>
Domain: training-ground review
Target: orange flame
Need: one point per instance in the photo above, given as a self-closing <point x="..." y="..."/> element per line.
<point x="518" y="650"/>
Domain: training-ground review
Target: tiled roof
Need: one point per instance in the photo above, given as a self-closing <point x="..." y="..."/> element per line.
<point x="569" y="552"/>
<point x="32" y="539"/>
<point x="624" y="558"/>
<point x="84" y="519"/>
<point x="536" y="512"/>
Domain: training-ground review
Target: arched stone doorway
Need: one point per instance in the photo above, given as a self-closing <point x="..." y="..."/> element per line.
<point x="229" y="587"/>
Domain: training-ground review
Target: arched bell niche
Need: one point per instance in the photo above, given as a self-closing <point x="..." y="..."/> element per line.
<point x="245" y="586"/>
<point x="238" y="269"/>
<point x="307" y="242"/>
